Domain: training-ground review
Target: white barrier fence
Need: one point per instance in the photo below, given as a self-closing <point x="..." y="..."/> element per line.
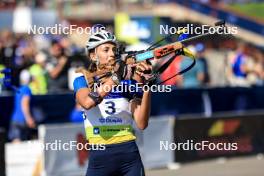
<point x="160" y="129"/>
<point x="2" y="152"/>
<point x="56" y="153"/>
<point x="23" y="159"/>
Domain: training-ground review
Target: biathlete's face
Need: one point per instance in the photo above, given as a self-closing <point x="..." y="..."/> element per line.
<point x="105" y="53"/>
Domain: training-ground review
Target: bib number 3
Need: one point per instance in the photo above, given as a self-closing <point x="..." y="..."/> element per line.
<point x="110" y="110"/>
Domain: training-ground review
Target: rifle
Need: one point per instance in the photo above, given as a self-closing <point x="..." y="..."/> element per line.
<point x="178" y="48"/>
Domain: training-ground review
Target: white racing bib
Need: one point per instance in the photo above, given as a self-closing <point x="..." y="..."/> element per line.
<point x="109" y="122"/>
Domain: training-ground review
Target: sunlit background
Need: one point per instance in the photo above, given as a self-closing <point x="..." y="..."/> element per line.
<point x="221" y="99"/>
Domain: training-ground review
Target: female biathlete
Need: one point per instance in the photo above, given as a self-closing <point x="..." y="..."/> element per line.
<point x="108" y="116"/>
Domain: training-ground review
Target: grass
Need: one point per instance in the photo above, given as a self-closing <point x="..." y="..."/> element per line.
<point x="250" y="9"/>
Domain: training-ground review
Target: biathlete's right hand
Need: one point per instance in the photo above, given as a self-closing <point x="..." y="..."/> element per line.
<point x="144" y="70"/>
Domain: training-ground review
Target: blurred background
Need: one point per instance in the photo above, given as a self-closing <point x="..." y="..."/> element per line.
<point x="220" y="100"/>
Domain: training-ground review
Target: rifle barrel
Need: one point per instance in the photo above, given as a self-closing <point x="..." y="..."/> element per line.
<point x="195" y="37"/>
<point x="201" y="35"/>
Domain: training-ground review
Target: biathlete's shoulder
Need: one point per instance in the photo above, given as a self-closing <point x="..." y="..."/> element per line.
<point x="79" y="82"/>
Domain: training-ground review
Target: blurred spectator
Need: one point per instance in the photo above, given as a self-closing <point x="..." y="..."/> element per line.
<point x="57" y="68"/>
<point x="255" y="66"/>
<point x="28" y="51"/>
<point x="7" y="47"/>
<point x="18" y="51"/>
<point x="242" y="69"/>
<point x="22" y="118"/>
<point x="37" y="70"/>
<point x="200" y="48"/>
<point x="194" y="77"/>
<point x="1" y="77"/>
